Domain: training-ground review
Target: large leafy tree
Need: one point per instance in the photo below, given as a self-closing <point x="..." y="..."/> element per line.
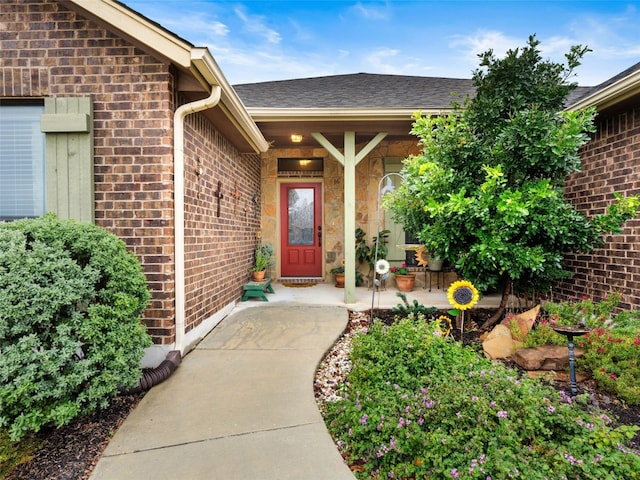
<point x="486" y="192"/>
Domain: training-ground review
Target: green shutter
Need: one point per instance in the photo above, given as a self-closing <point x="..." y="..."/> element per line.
<point x="68" y="125"/>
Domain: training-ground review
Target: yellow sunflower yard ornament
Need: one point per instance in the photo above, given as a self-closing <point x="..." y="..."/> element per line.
<point x="443" y="325"/>
<point x="462" y="295"/>
<point x="422" y="257"/>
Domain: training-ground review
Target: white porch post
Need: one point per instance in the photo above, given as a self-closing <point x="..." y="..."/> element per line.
<point x="349" y="160"/>
<point x="349" y="217"/>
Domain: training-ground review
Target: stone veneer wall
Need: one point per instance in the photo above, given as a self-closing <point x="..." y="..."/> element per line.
<point x="610" y="163"/>
<point x="368" y="173"/>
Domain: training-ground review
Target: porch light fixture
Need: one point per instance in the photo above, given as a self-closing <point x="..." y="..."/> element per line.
<point x="296" y="138"/>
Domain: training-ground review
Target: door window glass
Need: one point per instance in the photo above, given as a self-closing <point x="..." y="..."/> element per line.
<point x="301" y="219"/>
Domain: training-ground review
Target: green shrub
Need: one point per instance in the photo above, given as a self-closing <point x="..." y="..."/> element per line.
<point x="419" y="405"/>
<point x="406" y="309"/>
<point x="71" y="297"/>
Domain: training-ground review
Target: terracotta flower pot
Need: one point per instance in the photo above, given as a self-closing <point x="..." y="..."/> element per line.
<point x="259" y="276"/>
<point x="405" y="283"/>
<point x="339" y="280"/>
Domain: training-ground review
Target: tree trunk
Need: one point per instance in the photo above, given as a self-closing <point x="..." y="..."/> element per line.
<point x="506" y="291"/>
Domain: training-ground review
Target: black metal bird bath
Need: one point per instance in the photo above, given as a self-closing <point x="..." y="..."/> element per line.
<point x="570" y="331"/>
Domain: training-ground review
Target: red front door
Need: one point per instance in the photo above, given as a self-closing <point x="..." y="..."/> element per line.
<point x="301" y="229"/>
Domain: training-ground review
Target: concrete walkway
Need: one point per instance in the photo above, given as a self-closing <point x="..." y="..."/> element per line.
<point x="240" y="406"/>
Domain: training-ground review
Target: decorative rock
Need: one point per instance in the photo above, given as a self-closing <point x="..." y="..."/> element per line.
<point x="522" y="321"/>
<point x="499" y="331"/>
<point x="499" y="343"/>
<point x="544" y="357"/>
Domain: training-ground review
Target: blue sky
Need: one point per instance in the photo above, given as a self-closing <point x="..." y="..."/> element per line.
<point x="258" y="40"/>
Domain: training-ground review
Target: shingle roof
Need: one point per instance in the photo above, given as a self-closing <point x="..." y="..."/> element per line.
<point x="575" y="94"/>
<point x="376" y="91"/>
<point x="584" y="91"/>
<point x="359" y="90"/>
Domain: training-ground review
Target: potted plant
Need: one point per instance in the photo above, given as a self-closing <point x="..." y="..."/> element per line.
<point x="405" y="280"/>
<point x="263" y="260"/>
<point x="366" y="254"/>
<point x="435" y="263"/>
<point x="338" y="273"/>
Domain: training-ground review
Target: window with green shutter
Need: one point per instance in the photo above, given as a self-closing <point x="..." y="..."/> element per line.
<point x="46" y="158"/>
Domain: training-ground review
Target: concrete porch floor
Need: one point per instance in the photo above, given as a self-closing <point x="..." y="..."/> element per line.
<point x="328" y="294"/>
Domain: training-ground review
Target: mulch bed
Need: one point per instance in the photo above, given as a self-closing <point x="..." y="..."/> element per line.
<point x="71" y="452"/>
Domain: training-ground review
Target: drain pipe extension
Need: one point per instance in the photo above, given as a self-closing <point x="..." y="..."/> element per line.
<point x="178" y="175"/>
<point x="157" y="375"/>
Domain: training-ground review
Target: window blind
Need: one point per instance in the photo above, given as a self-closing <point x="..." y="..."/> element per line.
<point x="22" y="162"/>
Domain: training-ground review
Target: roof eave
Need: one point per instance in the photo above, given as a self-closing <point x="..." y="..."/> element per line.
<point x="611" y="94"/>
<point x="340" y="114"/>
<point x="233" y="107"/>
<point x="197" y="60"/>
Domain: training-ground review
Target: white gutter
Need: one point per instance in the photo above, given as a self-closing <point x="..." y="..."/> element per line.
<point x="266" y="114"/>
<point x="611" y="94"/>
<point x="178" y="202"/>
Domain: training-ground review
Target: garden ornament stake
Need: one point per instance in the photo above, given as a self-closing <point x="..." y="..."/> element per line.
<point x="388" y="187"/>
<point x="236" y="195"/>
<point x="462" y="295"/>
<point x="570" y="332"/>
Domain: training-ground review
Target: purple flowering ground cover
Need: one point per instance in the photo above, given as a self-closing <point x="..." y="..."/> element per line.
<point x="415" y="441"/>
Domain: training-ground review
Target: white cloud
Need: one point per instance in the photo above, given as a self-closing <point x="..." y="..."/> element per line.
<point x="615" y="36"/>
<point x="255" y="24"/>
<point x="555" y="47"/>
<point x="241" y="66"/>
<point x="470" y="46"/>
<point x="201" y="27"/>
<point x="258" y="43"/>
<point x="393" y="62"/>
<point x="302" y="33"/>
<point x="382" y="60"/>
<point x="219" y="29"/>
<point x="370" y="12"/>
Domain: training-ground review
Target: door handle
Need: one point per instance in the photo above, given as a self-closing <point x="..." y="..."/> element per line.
<point x="319" y="235"/>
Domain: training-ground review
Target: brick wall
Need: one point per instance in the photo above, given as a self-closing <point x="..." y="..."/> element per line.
<point x="610" y="163"/>
<point x="218" y="249"/>
<point x="48" y="50"/>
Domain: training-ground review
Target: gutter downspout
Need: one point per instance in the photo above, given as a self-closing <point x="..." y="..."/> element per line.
<point x="178" y="178"/>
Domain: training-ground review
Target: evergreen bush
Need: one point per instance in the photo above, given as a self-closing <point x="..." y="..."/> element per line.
<point x="71" y="298"/>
